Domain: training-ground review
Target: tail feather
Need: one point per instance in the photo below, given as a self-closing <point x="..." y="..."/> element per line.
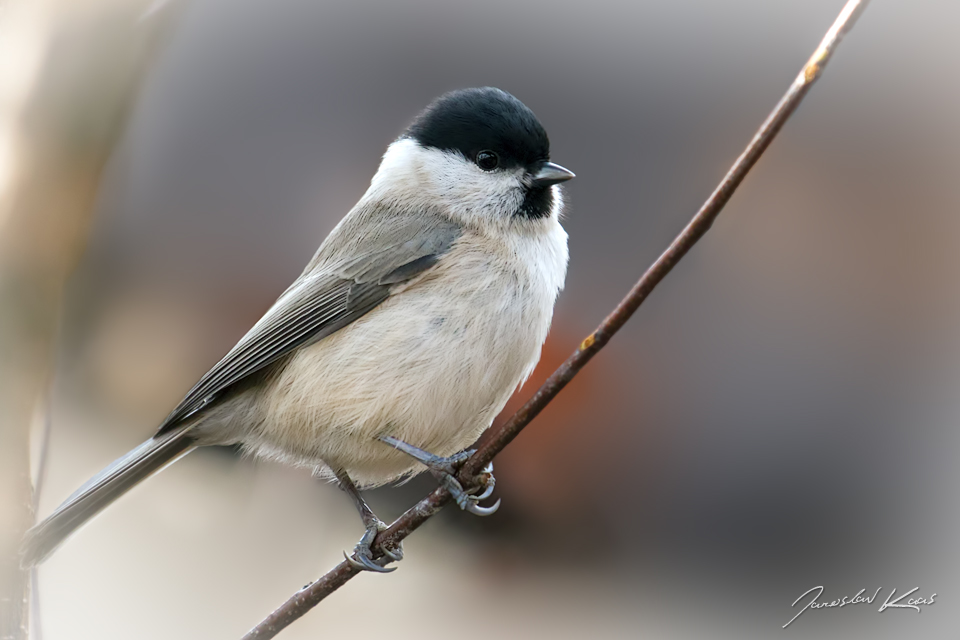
<point x="101" y="490"/>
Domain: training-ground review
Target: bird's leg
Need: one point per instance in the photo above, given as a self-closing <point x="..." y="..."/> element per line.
<point x="362" y="557"/>
<point x="445" y="471"/>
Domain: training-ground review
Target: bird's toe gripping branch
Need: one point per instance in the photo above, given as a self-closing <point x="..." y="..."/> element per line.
<point x="362" y="557"/>
<point x="445" y="471"/>
<point x="468" y="501"/>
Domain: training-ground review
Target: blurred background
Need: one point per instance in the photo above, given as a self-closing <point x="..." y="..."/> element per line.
<point x="780" y="414"/>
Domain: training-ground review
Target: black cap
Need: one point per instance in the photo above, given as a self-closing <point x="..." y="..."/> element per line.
<point x="484" y="119"/>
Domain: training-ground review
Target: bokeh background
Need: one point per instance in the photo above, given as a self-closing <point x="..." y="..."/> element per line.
<point x="781" y="414"/>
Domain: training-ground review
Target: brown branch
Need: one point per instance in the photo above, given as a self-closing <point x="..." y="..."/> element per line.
<point x="495" y="440"/>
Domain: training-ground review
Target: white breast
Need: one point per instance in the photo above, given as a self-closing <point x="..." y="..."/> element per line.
<point x="432" y="365"/>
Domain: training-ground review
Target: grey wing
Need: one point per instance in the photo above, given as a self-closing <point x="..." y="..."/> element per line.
<point x="355" y="269"/>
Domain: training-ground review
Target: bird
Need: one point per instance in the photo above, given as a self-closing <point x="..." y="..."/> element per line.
<point x="417" y="318"/>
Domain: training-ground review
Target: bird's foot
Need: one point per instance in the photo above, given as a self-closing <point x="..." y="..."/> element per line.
<point x="445" y="471"/>
<point x="467" y="500"/>
<point x="362" y="557"/>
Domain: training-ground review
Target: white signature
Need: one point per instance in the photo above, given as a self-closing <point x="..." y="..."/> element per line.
<point x="890" y="603"/>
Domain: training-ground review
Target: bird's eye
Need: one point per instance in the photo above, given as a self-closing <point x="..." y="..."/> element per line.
<point x="488" y="160"/>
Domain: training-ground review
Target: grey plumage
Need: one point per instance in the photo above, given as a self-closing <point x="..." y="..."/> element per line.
<point x="351" y="273"/>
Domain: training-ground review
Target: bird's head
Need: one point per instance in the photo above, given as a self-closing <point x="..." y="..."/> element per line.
<point x="481" y="156"/>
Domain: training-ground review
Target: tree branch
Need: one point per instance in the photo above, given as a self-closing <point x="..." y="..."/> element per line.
<point x="493" y="441"/>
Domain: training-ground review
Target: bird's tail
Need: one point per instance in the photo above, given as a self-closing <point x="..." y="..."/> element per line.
<point x="101" y="490"/>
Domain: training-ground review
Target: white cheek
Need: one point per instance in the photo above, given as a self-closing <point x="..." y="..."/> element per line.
<point x="469" y="191"/>
<point x="412" y="173"/>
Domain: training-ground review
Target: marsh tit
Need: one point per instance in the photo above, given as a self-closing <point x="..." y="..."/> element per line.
<point x="418" y="317"/>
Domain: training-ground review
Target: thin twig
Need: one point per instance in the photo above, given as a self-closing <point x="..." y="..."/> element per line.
<point x="495" y="440"/>
<point x="36" y="622"/>
<point x="45" y="434"/>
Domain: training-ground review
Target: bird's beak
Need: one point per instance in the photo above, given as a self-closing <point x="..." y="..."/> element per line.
<point x="549" y="173"/>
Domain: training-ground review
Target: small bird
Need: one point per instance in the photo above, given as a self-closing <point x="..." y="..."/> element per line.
<point x="405" y="335"/>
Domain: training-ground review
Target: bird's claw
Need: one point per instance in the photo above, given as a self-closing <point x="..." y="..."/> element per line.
<point x="363" y="563"/>
<point x="467" y="501"/>
<point x="477" y="510"/>
<point x="486" y="480"/>
<point x="486" y="493"/>
<point x="362" y="557"/>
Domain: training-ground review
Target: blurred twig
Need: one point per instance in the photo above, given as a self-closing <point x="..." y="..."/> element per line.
<point x="68" y="74"/>
<point x="495" y="440"/>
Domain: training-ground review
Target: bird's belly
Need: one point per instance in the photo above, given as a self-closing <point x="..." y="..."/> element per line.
<point x="423" y="368"/>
